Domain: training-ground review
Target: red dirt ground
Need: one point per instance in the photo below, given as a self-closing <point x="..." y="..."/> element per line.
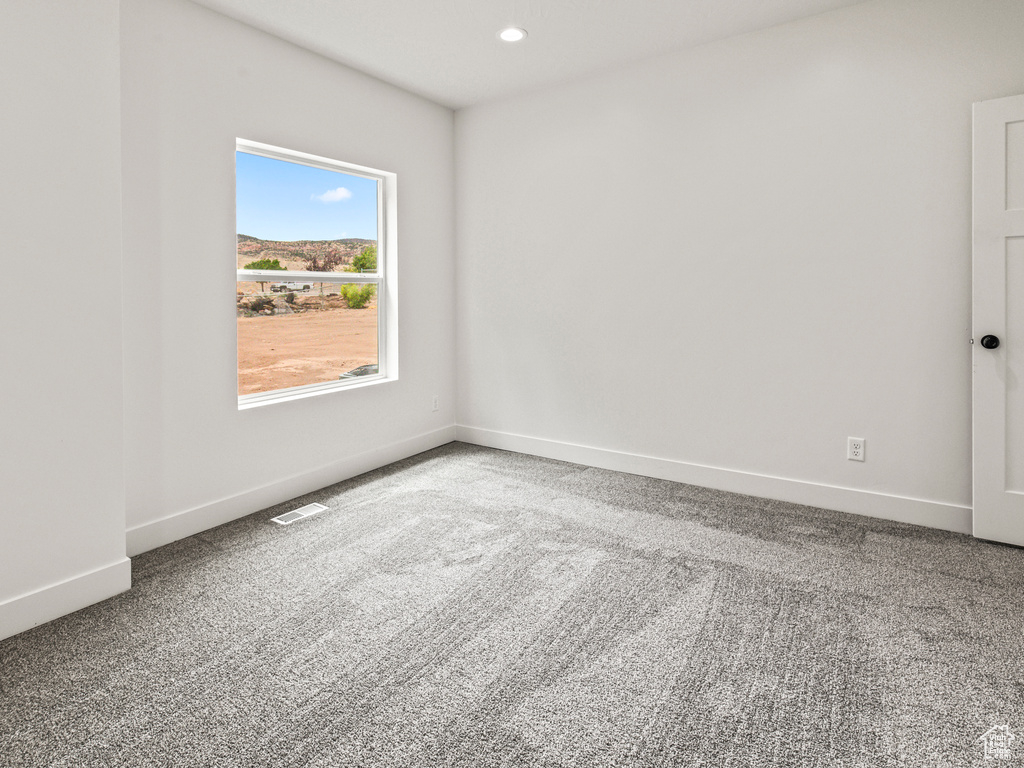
<point x="280" y="351"/>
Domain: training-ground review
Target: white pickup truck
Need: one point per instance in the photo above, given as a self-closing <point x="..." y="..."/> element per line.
<point x="286" y="287"/>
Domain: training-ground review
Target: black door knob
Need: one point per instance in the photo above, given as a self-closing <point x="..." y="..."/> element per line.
<point x="990" y="341"/>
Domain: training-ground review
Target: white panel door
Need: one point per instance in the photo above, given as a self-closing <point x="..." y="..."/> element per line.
<point x="998" y="349"/>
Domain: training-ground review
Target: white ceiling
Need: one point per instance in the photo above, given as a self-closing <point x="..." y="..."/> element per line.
<point x="448" y="51"/>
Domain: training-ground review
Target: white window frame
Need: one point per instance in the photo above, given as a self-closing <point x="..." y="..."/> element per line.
<point x="384" y="278"/>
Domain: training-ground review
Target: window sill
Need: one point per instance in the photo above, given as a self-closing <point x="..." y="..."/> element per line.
<point x="245" y="402"/>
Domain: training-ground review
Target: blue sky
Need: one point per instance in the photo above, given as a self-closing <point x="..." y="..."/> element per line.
<point x="277" y="200"/>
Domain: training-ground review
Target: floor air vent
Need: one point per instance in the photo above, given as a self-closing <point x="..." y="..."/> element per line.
<point x="297" y="514"/>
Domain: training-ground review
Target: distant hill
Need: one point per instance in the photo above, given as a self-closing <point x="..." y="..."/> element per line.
<point x="295" y="254"/>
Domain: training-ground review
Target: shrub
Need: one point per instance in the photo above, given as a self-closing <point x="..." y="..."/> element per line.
<point x="357" y="296"/>
<point x="260" y="303"/>
<point x="290" y="297"/>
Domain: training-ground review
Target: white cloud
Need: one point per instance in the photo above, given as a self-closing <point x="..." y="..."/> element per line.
<point x="333" y="195"/>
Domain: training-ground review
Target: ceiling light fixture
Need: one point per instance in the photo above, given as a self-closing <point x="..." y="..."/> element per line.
<point x="512" y="34"/>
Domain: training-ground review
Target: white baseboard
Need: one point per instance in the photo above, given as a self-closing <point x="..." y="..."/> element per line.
<point x="931" y="514"/>
<point x="55" y="600"/>
<point x="147" y="536"/>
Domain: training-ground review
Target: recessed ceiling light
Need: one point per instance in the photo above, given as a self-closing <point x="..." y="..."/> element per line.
<point x="512" y="34"/>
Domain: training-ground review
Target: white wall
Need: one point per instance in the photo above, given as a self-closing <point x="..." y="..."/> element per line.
<point x="732" y="259"/>
<point x="193" y="81"/>
<point x="62" y="537"/>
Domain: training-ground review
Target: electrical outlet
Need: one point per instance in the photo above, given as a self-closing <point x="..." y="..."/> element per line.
<point x="437" y="402"/>
<point x="855" y="447"/>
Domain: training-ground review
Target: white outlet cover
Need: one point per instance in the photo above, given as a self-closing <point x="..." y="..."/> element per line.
<point x="855" y="448"/>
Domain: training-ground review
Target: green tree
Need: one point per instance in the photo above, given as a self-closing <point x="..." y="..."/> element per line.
<point x="365" y="260"/>
<point x="263" y="264"/>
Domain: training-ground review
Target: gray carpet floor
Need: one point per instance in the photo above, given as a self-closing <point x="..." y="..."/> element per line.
<point x="472" y="607"/>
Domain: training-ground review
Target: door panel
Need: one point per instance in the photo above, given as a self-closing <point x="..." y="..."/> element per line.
<point x="1014" y="341"/>
<point x="1015" y="165"/>
<point x="999" y="311"/>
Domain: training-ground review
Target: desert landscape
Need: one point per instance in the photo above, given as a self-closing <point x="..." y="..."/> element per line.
<point x="302" y="254"/>
<point x="288" y="338"/>
<point x="281" y="351"/>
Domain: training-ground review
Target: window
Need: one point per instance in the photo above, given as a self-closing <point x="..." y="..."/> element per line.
<point x="312" y="297"/>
